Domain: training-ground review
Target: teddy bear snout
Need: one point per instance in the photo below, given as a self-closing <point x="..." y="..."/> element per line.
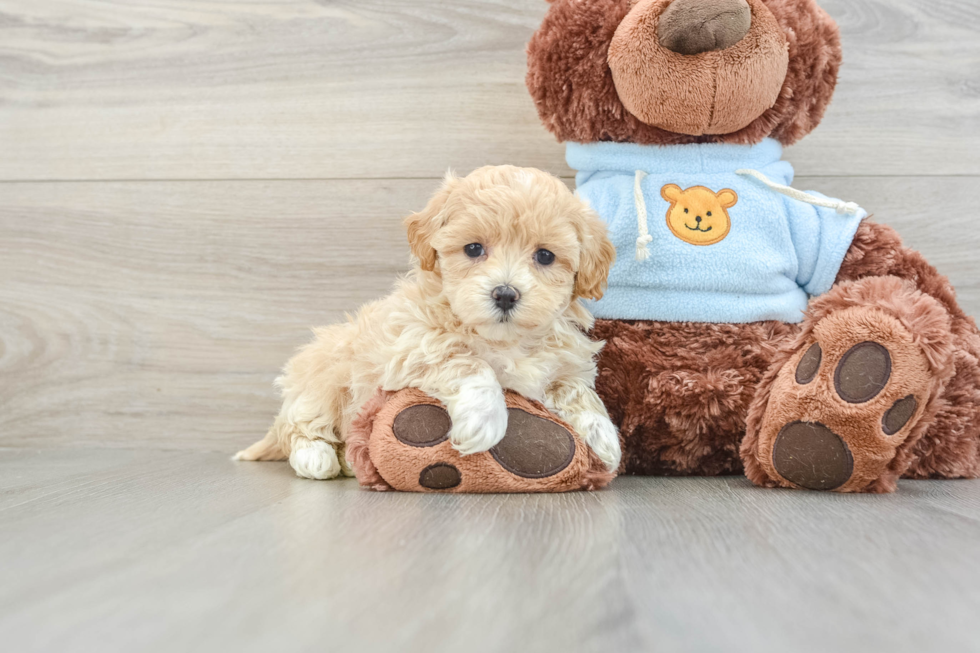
<point x="696" y="26"/>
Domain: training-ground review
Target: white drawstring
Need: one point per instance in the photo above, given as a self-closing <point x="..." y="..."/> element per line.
<point x="642" y="251"/>
<point x="842" y="208"/>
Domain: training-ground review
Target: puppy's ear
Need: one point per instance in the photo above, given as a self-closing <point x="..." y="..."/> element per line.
<point x="422" y="226"/>
<point x="597" y="256"/>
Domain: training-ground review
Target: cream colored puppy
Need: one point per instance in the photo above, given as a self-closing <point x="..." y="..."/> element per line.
<point x="503" y="257"/>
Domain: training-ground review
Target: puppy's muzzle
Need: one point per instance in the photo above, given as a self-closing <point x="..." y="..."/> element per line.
<point x="505" y="297"/>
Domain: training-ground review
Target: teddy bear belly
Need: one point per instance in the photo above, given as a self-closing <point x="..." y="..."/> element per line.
<point x="679" y="391"/>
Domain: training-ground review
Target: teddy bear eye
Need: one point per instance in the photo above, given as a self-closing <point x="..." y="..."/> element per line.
<point x="474" y="250"/>
<point x="709" y="214"/>
<point x="544" y="257"/>
<point x="685" y="210"/>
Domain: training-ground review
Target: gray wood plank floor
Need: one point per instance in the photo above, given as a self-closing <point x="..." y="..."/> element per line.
<point x="187" y="551"/>
<point x="186" y="187"/>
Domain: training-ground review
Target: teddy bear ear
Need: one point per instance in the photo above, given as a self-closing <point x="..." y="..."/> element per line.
<point x="568" y="75"/>
<point x="671" y="192"/>
<point x="728" y="198"/>
<point x="814" y="61"/>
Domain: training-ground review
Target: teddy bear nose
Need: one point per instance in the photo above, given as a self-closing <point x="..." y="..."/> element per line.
<point x="505" y="297"/>
<point x="698" y="219"/>
<point x="696" y="26"/>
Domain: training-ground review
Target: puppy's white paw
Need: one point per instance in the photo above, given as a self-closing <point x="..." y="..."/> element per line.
<point x="314" y="459"/>
<point x="479" y="415"/>
<point x="601" y="436"/>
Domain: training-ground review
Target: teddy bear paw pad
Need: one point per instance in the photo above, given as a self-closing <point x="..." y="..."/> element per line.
<point x="842" y="406"/>
<point x="422" y="425"/>
<point x="533" y="447"/>
<point x="440" y="476"/>
<point x="812" y="456"/>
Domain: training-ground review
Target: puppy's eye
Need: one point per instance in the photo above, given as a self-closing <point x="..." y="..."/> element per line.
<point x="709" y="214"/>
<point x="544" y="257"/>
<point x="474" y="250"/>
<point x="685" y="210"/>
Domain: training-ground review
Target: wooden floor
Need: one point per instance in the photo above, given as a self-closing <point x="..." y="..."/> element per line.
<point x="187" y="186"/>
<point x="146" y="550"/>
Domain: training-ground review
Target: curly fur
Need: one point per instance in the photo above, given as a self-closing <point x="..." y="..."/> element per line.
<point x="597" y="476"/>
<point x="950" y="447"/>
<point x="358" y="443"/>
<point x="924" y="318"/>
<point x="679" y="392"/>
<point x="572" y="85"/>
<point x="880" y="273"/>
<point x="684" y="395"/>
<point x="440" y="330"/>
<point x="384" y="462"/>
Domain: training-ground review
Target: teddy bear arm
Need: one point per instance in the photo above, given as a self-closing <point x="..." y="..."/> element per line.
<point x="877" y="251"/>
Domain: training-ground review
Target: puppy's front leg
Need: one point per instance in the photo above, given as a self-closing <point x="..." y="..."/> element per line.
<point x="476" y="406"/>
<point x="577" y="403"/>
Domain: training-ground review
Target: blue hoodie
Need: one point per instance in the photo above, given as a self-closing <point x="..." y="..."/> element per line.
<point x="723" y="247"/>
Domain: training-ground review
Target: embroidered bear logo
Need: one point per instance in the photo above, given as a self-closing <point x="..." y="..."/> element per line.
<point x="698" y="215"/>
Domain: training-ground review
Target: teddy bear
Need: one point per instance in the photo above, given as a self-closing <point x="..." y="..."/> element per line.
<point x="748" y="326"/>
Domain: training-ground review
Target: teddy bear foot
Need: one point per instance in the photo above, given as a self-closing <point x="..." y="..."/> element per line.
<point x="400" y="441"/>
<point x="842" y="409"/>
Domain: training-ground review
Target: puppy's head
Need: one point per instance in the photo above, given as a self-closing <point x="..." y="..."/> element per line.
<point x="513" y="246"/>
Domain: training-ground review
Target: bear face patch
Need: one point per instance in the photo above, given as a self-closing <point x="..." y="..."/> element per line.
<point x="698" y="215"/>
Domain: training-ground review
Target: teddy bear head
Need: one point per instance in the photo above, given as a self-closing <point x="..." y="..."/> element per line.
<point x="668" y="72"/>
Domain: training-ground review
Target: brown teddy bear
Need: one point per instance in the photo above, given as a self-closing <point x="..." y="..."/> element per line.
<point x="748" y="325"/>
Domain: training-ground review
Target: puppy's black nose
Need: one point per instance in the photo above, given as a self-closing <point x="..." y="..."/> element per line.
<point x="698" y="219"/>
<point x="505" y="297"/>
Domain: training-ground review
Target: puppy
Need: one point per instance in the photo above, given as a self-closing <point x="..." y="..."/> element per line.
<point x="502" y="258"/>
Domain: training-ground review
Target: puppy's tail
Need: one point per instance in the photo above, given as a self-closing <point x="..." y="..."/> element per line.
<point x="265" y="449"/>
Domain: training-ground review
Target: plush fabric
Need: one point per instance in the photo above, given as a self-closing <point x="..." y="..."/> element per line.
<point x="777" y="250"/>
<point x="679" y="392"/>
<point x="382" y="461"/>
<point x="712" y="92"/>
<point x="682" y="394"/>
<point x="950" y="446"/>
<point x="893" y="387"/>
<point x="915" y="330"/>
<point x="694" y="26"/>
<point x="573" y="88"/>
